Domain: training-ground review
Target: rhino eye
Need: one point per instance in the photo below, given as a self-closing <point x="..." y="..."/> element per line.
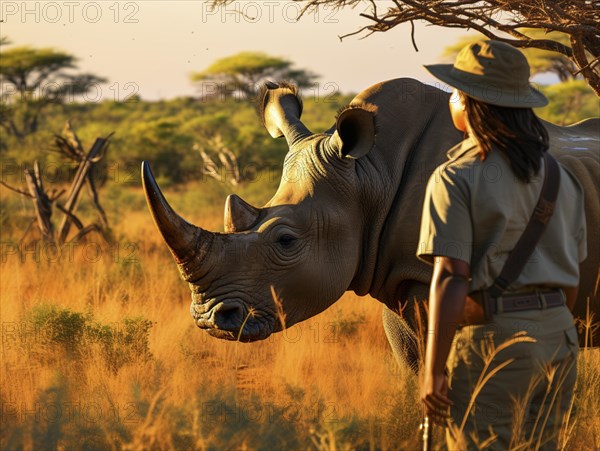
<point x="286" y="240"/>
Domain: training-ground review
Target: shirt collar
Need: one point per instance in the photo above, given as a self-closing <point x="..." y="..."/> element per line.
<point x="461" y="148"/>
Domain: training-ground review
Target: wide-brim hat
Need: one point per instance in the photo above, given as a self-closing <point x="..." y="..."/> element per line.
<point x="493" y="72"/>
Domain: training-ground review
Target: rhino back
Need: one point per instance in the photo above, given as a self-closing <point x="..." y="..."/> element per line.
<point x="577" y="147"/>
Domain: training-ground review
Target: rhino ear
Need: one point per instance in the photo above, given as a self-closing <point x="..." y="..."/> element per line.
<point x="239" y="215"/>
<point x="354" y="136"/>
<point x="280" y="109"/>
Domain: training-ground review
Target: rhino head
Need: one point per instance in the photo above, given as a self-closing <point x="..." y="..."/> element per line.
<point x="291" y="259"/>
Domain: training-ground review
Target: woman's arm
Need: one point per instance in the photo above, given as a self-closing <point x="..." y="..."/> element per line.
<point x="449" y="288"/>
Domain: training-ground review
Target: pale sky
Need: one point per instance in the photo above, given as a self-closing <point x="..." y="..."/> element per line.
<point x="152" y="46"/>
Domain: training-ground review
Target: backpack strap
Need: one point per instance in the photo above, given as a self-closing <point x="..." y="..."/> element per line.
<point x="542" y="213"/>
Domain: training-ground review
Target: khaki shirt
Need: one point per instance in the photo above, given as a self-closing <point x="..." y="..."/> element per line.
<point x="475" y="210"/>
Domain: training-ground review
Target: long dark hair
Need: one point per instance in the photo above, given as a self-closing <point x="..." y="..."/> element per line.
<point x="517" y="132"/>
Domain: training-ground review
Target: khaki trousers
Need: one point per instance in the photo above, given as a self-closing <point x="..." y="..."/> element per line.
<point x="511" y="381"/>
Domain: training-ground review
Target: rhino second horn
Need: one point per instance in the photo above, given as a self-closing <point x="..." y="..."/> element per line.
<point x="239" y="215"/>
<point x="188" y="244"/>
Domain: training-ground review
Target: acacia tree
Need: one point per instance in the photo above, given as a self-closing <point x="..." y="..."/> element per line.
<point x="33" y="78"/>
<point x="244" y="72"/>
<point x="502" y="20"/>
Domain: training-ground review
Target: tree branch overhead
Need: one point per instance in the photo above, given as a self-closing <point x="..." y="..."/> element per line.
<point x="502" y="20"/>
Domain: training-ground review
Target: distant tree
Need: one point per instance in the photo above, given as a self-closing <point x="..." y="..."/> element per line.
<point x="503" y="20"/>
<point x="569" y="102"/>
<point x="31" y="79"/>
<point x="242" y="73"/>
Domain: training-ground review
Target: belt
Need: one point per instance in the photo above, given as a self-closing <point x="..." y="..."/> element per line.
<point x="536" y="300"/>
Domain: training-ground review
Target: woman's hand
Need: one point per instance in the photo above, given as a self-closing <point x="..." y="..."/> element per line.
<point x="434" y="395"/>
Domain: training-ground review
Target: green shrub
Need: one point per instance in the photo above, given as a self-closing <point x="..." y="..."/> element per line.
<point x="347" y="326"/>
<point x="124" y="342"/>
<point x="59" y="325"/>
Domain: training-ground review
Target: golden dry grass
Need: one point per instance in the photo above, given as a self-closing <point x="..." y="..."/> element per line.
<point x="329" y="383"/>
<point x="328" y="380"/>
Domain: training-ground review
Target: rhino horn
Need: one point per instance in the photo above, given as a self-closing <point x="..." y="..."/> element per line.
<point x="239" y="215"/>
<point x="280" y="108"/>
<point x="188" y="244"/>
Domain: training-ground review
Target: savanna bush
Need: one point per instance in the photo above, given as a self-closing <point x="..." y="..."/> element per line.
<point x="76" y="333"/>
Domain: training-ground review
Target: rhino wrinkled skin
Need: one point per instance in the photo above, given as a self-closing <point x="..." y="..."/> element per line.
<point x="345" y="217"/>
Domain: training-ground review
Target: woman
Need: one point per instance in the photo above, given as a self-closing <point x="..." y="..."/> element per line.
<point x="510" y="376"/>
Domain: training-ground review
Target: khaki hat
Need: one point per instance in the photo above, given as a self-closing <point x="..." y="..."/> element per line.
<point x="493" y="72"/>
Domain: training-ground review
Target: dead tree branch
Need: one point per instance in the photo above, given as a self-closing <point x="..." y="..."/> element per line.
<point x="82" y="176"/>
<point x="16" y="190"/>
<point x="42" y="203"/>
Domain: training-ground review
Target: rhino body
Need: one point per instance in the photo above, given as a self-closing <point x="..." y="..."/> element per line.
<point x="346" y="216"/>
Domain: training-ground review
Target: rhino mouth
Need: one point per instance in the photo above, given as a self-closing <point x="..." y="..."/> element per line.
<point x="231" y="319"/>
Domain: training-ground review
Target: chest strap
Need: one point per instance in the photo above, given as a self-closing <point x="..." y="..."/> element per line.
<point x="518" y="257"/>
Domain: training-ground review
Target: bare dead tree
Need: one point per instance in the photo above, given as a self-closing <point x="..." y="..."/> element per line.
<point x="228" y="171"/>
<point x="502" y="20"/>
<point x="68" y="145"/>
<point x="42" y="201"/>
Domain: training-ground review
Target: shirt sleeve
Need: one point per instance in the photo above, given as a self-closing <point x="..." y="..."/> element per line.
<point x="446" y="227"/>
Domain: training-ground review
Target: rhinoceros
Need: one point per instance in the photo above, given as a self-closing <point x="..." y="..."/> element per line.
<point x="345" y="216"/>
